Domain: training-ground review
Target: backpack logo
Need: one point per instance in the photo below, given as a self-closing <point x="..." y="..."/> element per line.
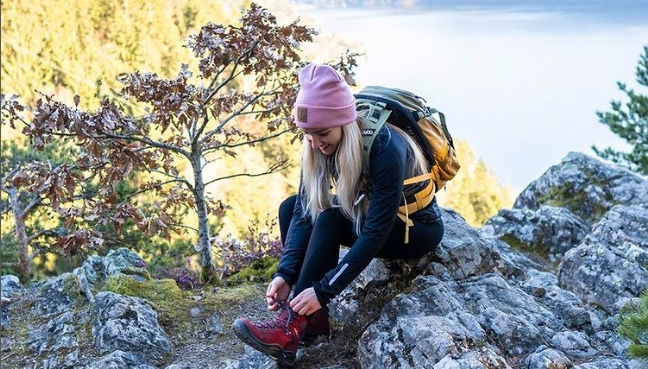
<point x="368" y="132"/>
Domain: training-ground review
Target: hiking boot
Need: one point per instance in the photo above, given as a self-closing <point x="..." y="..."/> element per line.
<point x="277" y="337"/>
<point x="318" y="325"/>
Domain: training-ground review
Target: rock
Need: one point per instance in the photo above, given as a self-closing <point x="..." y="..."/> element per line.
<point x="611" y="261"/>
<point x="548" y="231"/>
<point x="128" y="324"/>
<point x="10" y="286"/>
<point x="585" y="186"/>
<point x="11" y="289"/>
<point x="545" y="358"/>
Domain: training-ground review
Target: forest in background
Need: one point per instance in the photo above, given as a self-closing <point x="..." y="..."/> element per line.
<point x="64" y="50"/>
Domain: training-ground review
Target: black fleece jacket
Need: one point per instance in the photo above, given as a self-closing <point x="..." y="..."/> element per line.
<point x="387" y="162"/>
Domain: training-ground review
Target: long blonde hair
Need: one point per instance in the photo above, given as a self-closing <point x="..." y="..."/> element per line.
<point x="343" y="172"/>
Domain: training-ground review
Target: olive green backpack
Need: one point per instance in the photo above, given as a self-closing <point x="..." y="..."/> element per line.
<point x="410" y="113"/>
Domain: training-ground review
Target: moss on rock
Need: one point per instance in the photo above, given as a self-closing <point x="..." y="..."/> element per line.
<point x="261" y="270"/>
<point x="164" y="294"/>
<point x="567" y="196"/>
<point x="179" y="310"/>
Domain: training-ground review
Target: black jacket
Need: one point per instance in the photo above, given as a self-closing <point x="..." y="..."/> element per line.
<point x="387" y="162"/>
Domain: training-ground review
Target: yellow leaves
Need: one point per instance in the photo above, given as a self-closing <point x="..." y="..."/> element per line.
<point x="475" y="192"/>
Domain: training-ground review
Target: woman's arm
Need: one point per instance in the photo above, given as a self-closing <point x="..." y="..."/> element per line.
<point x="387" y="172"/>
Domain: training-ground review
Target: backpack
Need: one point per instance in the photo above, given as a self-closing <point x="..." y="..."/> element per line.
<point x="410" y="113"/>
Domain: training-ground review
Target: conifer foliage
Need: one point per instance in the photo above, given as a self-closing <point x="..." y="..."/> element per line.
<point x="630" y="122"/>
<point x="634" y="326"/>
<point x="246" y="72"/>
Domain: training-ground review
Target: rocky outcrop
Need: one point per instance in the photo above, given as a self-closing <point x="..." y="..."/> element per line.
<point x="485" y="304"/>
<point x="539" y="286"/>
<point x="123" y="331"/>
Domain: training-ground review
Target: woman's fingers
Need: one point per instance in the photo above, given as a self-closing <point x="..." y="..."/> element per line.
<point x="306" y="302"/>
<point x="272" y="290"/>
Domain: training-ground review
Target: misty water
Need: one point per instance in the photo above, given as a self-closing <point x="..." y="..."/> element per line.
<point x="520" y="81"/>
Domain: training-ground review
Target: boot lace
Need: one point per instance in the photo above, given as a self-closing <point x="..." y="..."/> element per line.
<point x="283" y="321"/>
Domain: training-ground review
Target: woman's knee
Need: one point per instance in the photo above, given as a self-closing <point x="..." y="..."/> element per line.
<point x="333" y="223"/>
<point x="287" y="207"/>
<point x="330" y="214"/>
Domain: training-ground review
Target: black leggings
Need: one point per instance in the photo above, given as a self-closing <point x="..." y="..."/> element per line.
<point x="332" y="229"/>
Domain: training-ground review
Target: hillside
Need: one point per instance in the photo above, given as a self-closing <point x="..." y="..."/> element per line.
<point x="540" y="286"/>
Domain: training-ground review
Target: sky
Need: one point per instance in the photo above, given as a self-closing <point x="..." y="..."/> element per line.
<point x="520" y="81"/>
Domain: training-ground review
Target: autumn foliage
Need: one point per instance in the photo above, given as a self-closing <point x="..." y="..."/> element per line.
<point x="163" y="135"/>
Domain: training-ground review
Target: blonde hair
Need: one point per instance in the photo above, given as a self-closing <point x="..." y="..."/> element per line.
<point x="319" y="173"/>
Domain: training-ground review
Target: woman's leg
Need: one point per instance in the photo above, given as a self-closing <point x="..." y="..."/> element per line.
<point x="331" y="229"/>
<point x="423" y="238"/>
<point x="286" y="210"/>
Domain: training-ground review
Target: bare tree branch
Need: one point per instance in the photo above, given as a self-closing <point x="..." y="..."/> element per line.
<point x="46" y="232"/>
<point x="144" y="140"/>
<point x="32" y="204"/>
<point x="158" y="185"/>
<point x="244" y="143"/>
<point x="272" y="169"/>
<point x="183" y="226"/>
<point x="233" y="115"/>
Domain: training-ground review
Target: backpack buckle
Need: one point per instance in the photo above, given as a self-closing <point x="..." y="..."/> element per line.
<point x="426" y="111"/>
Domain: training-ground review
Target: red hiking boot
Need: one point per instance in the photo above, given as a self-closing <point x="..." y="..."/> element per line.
<point x="277" y="337"/>
<point x="318" y="325"/>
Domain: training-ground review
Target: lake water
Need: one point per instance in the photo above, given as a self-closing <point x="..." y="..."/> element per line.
<point x="520" y="81"/>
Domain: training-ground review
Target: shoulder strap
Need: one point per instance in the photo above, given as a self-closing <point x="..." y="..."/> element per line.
<point x="377" y="115"/>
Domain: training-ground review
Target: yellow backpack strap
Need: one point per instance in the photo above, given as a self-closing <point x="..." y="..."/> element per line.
<point x="419" y="178"/>
<point x="422" y="199"/>
<point x="404" y="216"/>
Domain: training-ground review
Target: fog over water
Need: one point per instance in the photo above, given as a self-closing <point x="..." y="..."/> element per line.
<point x="520" y="81"/>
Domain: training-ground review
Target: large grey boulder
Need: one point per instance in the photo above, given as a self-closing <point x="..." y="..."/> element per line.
<point x="480" y="302"/>
<point x="585" y="186"/>
<point x="548" y="231"/>
<point x="611" y="262"/>
<point x="128" y="324"/>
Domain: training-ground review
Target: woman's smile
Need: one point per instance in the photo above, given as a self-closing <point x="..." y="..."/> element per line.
<point x="326" y="140"/>
<point x="324" y="148"/>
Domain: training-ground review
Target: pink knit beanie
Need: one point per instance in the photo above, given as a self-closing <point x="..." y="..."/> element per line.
<point x="324" y="99"/>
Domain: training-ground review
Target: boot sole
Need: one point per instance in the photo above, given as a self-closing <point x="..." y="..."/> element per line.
<point x="283" y="357"/>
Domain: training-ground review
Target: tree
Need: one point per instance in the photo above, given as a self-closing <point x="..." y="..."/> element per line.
<point x="28" y="239"/>
<point x="630" y="122"/>
<point x="246" y="74"/>
<point x="112" y="37"/>
<point x="475" y="192"/>
<point x="32" y="231"/>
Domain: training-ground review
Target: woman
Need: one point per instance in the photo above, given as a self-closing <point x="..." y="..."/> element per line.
<point x="340" y="202"/>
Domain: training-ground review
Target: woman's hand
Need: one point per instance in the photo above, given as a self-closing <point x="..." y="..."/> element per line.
<point x="306" y="302"/>
<point x="278" y="290"/>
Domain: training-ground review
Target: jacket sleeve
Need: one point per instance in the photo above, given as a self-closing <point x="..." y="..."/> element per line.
<point x="387" y="172"/>
<point x="297" y="239"/>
